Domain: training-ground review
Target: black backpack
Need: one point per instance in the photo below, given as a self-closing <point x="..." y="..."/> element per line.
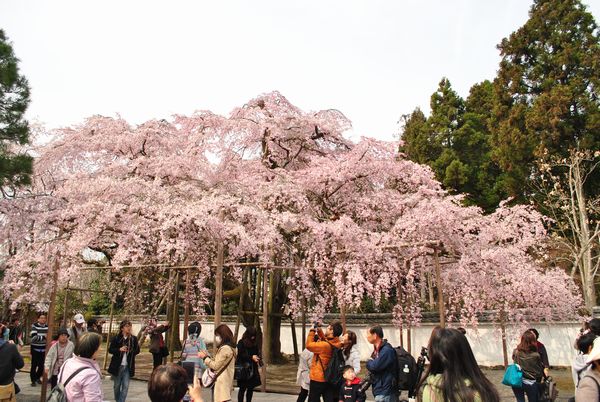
<point x="335" y="369"/>
<point x="406" y="370"/>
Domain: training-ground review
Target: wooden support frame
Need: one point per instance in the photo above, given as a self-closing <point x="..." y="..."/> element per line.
<point x="264" y="270"/>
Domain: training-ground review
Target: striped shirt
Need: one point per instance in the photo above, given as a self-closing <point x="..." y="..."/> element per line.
<point x="38" y="336"/>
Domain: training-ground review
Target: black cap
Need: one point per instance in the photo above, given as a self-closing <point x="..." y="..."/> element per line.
<point x="63" y="331"/>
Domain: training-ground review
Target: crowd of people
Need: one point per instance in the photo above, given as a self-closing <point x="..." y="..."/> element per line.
<point x="329" y="367"/>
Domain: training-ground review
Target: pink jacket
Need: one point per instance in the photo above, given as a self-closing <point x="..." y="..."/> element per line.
<point x="86" y="386"/>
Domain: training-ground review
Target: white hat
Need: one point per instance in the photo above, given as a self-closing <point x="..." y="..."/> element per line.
<point x="79" y="318"/>
<point x="595" y="352"/>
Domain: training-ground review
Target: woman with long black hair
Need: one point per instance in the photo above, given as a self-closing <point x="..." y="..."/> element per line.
<point x="248" y="358"/>
<point x="453" y="374"/>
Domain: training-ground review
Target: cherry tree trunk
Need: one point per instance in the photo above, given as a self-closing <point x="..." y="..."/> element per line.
<point x="172" y="335"/>
<point x="277" y="299"/>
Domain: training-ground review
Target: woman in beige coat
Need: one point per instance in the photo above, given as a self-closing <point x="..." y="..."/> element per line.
<point x="588" y="388"/>
<point x="223" y="363"/>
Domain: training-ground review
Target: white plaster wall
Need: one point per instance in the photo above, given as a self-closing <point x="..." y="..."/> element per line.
<point x="486" y="342"/>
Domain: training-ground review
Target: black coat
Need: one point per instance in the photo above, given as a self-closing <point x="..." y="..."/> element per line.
<point x="10" y="360"/>
<point x="245" y="356"/>
<point x="117" y="356"/>
<point x="351" y="392"/>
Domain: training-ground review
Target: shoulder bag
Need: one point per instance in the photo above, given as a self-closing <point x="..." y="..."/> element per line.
<point x="209" y="376"/>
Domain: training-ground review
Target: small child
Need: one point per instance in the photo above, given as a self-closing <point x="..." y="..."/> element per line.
<point x="349" y="391"/>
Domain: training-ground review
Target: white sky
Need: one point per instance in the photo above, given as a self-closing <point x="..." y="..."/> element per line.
<point x="373" y="60"/>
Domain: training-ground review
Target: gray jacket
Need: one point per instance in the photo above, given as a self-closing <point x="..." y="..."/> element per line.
<point x="52" y="356"/>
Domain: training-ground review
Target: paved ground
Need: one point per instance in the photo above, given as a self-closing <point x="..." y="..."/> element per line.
<point x="137" y="389"/>
<point x="137" y="392"/>
<point x="281" y="381"/>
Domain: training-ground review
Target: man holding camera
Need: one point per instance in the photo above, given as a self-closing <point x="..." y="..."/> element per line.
<point x="322" y="345"/>
<point x="382" y="366"/>
<point x="123" y="348"/>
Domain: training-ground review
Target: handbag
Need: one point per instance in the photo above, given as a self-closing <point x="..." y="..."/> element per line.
<point x="513" y="376"/>
<point x="549" y="392"/>
<point x="209" y="376"/>
<point x="243" y="371"/>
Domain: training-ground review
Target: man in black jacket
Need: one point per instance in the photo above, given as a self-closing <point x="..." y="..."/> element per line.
<point x="10" y="360"/>
<point x="123" y="348"/>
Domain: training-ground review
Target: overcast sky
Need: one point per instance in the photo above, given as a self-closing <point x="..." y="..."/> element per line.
<point x="372" y="60"/>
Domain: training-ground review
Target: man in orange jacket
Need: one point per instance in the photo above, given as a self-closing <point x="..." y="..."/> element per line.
<point x="322" y="345"/>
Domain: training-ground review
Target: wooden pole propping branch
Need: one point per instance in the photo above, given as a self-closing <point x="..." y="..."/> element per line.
<point x="303" y="323"/>
<point x="174" y="320"/>
<point x="503" y="331"/>
<point x="401" y="327"/>
<point x="186" y="305"/>
<point x="266" y="338"/>
<point x="219" y="288"/>
<point x="440" y="289"/>
<point x="240" y="305"/>
<point x="65" y="304"/>
<point x="50" y="322"/>
<point x="110" y="323"/>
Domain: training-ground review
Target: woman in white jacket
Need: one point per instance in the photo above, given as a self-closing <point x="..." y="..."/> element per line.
<point x="302" y="377"/>
<point x="350" y="349"/>
<point x="580" y="365"/>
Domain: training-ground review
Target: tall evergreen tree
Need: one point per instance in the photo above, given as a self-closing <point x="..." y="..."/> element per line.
<point x="418" y="143"/>
<point x="455" y="142"/>
<point x="547" y="90"/>
<point x="473" y="145"/>
<point x="15" y="167"/>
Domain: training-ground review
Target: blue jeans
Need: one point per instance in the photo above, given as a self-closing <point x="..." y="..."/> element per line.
<point x="121" y="385"/>
<point x="531" y="390"/>
<point x="386" y="398"/>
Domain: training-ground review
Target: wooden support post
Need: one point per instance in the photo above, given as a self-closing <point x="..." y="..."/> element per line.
<point x="64" y="321"/>
<point x="440" y="288"/>
<point x="303" y="323"/>
<point x="110" y="323"/>
<point x="240" y="306"/>
<point x="266" y="338"/>
<point x="294" y="340"/>
<point x="399" y="300"/>
<point x="257" y="297"/>
<point x="175" y="322"/>
<point x="504" y="346"/>
<point x="408" y="340"/>
<point x="186" y="305"/>
<point x="50" y="322"/>
<point x="343" y="315"/>
<point x="219" y="288"/>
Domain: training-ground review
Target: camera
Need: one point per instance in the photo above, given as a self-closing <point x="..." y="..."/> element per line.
<point x="424" y="352"/>
<point x="365" y="383"/>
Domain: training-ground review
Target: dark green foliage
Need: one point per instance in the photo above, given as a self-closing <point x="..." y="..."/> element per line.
<point x="455" y="142"/>
<point x="15" y="168"/>
<point x="545" y="97"/>
<point x="547" y="90"/>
